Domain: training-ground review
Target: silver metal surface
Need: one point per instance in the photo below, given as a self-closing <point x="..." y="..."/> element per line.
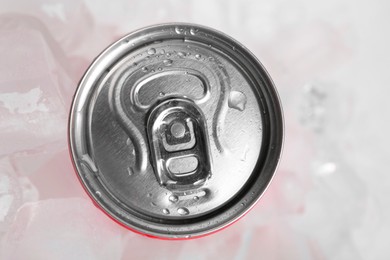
<point x="176" y="130"/>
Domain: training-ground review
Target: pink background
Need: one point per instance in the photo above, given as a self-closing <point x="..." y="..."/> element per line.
<point x="330" y="62"/>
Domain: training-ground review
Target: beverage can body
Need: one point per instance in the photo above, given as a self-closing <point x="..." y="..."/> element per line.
<point x="175" y="131"/>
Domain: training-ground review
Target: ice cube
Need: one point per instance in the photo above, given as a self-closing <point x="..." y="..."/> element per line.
<point x="14" y="191"/>
<point x="62" y="229"/>
<point x="34" y="86"/>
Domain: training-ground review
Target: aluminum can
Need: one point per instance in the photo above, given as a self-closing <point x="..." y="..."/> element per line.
<point x="175" y="131"/>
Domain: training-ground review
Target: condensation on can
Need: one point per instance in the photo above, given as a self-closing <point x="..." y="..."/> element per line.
<point x="176" y="131"/>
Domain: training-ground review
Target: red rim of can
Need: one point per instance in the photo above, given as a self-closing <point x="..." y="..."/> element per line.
<point x="212" y="220"/>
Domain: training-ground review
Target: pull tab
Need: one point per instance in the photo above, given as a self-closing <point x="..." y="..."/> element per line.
<point x="179" y="144"/>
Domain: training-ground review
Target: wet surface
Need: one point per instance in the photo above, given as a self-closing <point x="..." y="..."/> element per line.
<point x="329" y="61"/>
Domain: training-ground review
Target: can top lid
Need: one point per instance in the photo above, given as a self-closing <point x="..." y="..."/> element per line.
<point x="176" y="130"/>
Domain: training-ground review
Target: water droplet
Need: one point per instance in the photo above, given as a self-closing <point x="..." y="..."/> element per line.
<point x="237" y="100"/>
<point x="234" y="48"/>
<point x="167" y="62"/>
<point x="179" y="30"/>
<point x="173" y="198"/>
<point x="196" y="198"/>
<point x="149" y="195"/>
<point x="193" y="31"/>
<point x="162" y="51"/>
<point x="151" y="51"/>
<point x="159" y="69"/>
<point x="183" y="211"/>
<point x="87" y="162"/>
<point x="162" y="94"/>
<point x="181" y="54"/>
<point x="166" y="211"/>
<point x="168" y="54"/>
<point x="246" y="149"/>
<point x="135" y="64"/>
<point x="198" y="56"/>
<point x="130" y="171"/>
<point x="144" y="69"/>
<point x="128" y="141"/>
<point x="152" y="71"/>
<point x="98" y="193"/>
<point x="242" y="204"/>
<point x="153" y="204"/>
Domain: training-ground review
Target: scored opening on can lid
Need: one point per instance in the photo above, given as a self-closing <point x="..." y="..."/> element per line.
<point x="176" y="130"/>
